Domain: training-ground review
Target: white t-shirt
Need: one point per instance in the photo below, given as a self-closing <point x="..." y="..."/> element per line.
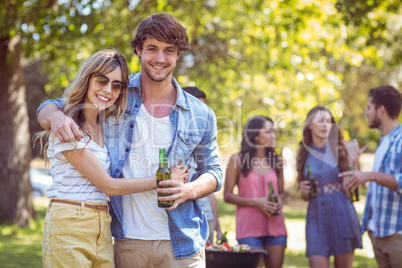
<point x="378" y="157"/>
<point x="68" y="183"/>
<point x="142" y="218"/>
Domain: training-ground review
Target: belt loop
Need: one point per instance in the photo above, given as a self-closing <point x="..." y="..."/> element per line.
<point x="49" y="205"/>
<point x="82" y="207"/>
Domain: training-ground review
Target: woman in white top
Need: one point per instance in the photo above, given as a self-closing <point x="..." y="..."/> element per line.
<point x="77" y="224"/>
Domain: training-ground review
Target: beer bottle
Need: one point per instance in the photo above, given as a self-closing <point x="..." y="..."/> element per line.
<point x="353" y="195"/>
<point x="272" y="197"/>
<point x="313" y="188"/>
<point x="163" y="174"/>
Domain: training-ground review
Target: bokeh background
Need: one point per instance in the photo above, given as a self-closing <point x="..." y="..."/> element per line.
<point x="271" y="57"/>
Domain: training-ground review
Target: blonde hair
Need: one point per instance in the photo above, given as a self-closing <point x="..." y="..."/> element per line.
<point x="104" y="61"/>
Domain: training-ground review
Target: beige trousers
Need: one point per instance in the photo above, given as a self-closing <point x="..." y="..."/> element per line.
<point x="77" y="236"/>
<point x="387" y="250"/>
<point x="133" y="253"/>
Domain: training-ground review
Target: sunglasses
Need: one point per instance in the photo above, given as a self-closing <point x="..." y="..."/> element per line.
<point x="103" y="80"/>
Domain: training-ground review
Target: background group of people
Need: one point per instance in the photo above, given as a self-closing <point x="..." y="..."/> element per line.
<point x="332" y="225"/>
<point x="108" y="120"/>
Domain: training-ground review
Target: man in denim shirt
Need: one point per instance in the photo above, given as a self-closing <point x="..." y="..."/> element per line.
<point x="382" y="216"/>
<point x="158" y="115"/>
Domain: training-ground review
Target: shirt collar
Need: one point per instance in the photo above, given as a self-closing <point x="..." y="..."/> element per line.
<point x="318" y="149"/>
<point x="393" y="133"/>
<point x="181" y="100"/>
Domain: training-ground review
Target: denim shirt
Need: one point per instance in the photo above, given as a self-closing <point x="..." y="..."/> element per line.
<point x="194" y="137"/>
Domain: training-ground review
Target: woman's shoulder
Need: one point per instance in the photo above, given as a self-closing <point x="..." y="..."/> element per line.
<point x="234" y="162"/>
<point x="235" y="159"/>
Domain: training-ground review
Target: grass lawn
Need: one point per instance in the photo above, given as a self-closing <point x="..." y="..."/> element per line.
<point x="21" y="247"/>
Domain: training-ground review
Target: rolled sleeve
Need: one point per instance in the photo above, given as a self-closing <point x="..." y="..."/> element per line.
<point x="398" y="178"/>
<point x="58" y="102"/>
<point x="206" y="154"/>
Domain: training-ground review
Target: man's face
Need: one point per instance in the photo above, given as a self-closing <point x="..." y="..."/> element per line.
<point x="372" y="115"/>
<point x="158" y="59"/>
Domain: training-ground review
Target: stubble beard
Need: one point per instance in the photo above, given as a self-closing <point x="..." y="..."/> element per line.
<point x="375" y="123"/>
<point x="155" y="78"/>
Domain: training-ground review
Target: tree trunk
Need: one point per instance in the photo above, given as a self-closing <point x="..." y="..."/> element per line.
<point x="15" y="154"/>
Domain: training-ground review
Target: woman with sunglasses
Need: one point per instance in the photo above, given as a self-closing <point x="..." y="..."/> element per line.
<point x="77" y="224"/>
<point x="332" y="225"/>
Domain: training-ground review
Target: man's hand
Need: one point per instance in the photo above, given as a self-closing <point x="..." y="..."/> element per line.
<point x="180" y="190"/>
<point x="64" y="127"/>
<point x="202" y="186"/>
<point x="355" y="178"/>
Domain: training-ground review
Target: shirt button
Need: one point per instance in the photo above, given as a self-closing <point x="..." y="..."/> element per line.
<point x="136" y="106"/>
<point x="127" y="149"/>
<point x="187" y="140"/>
<point x="131" y="126"/>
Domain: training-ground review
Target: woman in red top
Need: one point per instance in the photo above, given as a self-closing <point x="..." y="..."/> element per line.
<point x="251" y="170"/>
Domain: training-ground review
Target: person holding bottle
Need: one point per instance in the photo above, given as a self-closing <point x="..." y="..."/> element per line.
<point x="252" y="170"/>
<point x="383" y="209"/>
<point x="158" y="115"/>
<point x="332" y="225"/>
<point x="77" y="224"/>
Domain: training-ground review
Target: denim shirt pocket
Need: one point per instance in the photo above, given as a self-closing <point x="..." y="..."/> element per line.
<point x="184" y="146"/>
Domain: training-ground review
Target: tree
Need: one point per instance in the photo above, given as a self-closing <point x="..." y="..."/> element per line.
<point x="272" y="57"/>
<point x="15" y="198"/>
<point x="27" y="27"/>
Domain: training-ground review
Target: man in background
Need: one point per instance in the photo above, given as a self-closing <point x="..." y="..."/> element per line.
<point x="382" y="216"/>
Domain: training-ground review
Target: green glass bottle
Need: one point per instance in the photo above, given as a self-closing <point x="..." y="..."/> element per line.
<point x="353" y="195"/>
<point x="163" y="174"/>
<point x="272" y="197"/>
<point x="224" y="238"/>
<point x="313" y="187"/>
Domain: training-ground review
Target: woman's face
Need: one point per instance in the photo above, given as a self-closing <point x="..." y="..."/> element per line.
<point x="321" y="125"/>
<point x="266" y="136"/>
<point x="103" y="89"/>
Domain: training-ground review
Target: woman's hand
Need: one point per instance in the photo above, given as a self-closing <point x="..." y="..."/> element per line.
<point x="305" y="189"/>
<point x="279" y="205"/>
<point x="354" y="151"/>
<point x="180" y="173"/>
<point x="263" y="205"/>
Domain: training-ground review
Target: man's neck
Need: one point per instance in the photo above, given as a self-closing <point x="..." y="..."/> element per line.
<point x="159" y="97"/>
<point x="387" y="126"/>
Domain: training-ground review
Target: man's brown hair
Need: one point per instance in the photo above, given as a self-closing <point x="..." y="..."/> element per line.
<point x="387" y="96"/>
<point x="164" y="28"/>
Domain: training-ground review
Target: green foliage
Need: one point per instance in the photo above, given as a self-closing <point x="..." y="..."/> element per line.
<point x="272" y="57"/>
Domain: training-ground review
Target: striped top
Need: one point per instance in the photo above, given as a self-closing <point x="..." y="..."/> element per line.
<point x="388" y="203"/>
<point x="251" y="222"/>
<point x="68" y="183"/>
